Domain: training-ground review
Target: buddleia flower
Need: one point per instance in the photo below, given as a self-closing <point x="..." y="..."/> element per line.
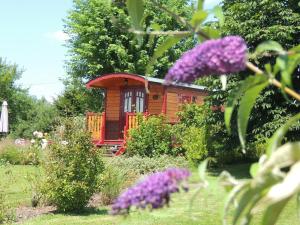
<point x="213" y="57"/>
<point x="153" y="192"/>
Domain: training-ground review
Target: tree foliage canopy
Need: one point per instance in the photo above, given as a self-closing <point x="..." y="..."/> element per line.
<point x="257" y="21"/>
<point x="26" y="113"/>
<point x="101" y="43"/>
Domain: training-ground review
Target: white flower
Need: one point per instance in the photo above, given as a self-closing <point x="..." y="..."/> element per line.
<point x="32" y="141"/>
<point x="35" y="133"/>
<point x="39" y="134"/>
<point x="64" y="142"/>
<point x="44" y="143"/>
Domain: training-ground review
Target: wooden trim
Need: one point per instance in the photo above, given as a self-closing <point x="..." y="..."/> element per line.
<point x="103" y="124"/>
<point x="92" y="83"/>
<point x="133" y="89"/>
<point x="164" y="105"/>
<point x="95" y="124"/>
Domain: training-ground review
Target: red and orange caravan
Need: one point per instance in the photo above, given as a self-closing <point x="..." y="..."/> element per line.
<point x="125" y="96"/>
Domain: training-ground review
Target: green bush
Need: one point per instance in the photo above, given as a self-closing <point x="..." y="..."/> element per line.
<point x="19" y="155"/>
<point x="31" y="156"/>
<point x="72" y="168"/>
<point x="256" y="149"/>
<point x="121" y="172"/>
<point x="152" y="138"/>
<point x="195" y="144"/>
<point x="192" y="115"/>
<point x="12" y="155"/>
<point x="211" y="140"/>
<point x="143" y="165"/>
<point x="113" y="180"/>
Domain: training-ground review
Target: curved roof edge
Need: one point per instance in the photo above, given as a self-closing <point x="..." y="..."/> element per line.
<point x="104" y="77"/>
<point x="143" y="79"/>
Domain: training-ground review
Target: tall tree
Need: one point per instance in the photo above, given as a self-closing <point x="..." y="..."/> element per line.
<point x="100" y="42"/>
<point x="26" y="113"/>
<point x="258" y="21"/>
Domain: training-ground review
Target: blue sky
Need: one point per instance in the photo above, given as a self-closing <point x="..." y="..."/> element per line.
<point x="31" y="36"/>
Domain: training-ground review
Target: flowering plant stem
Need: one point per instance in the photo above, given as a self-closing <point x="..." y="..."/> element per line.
<point x="273" y="81"/>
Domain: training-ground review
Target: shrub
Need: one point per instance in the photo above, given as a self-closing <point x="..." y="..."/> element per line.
<point x="72" y="168"/>
<point x="121" y="172"/>
<point x="143" y="165"/>
<point x="195" y="144"/>
<point x="192" y="115"/>
<point x="19" y="155"/>
<point x="152" y="138"/>
<point x="9" y="152"/>
<point x="211" y="141"/>
<point x="113" y="180"/>
<point x="12" y="155"/>
<point x="31" y="156"/>
<point x="36" y="181"/>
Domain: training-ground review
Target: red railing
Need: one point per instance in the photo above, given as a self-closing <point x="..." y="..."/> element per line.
<point x="132" y="121"/>
<point x="96" y="125"/>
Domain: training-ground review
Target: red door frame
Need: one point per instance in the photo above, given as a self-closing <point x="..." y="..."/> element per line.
<point x="134" y="89"/>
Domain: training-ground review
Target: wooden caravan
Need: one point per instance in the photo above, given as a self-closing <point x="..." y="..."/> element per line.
<point x="126" y="96"/>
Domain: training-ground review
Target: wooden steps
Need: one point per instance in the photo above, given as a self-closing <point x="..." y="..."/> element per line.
<point x="110" y="147"/>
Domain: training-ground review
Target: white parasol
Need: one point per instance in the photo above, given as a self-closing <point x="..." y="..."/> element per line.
<point x="4" y="118"/>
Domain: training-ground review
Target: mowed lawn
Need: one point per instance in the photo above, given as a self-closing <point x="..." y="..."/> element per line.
<point x="206" y="209"/>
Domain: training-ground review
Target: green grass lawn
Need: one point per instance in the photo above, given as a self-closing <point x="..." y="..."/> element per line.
<point x="15" y="183"/>
<point x="206" y="210"/>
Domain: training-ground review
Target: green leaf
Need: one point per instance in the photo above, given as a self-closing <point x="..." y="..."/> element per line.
<point x="296" y="48"/>
<point x="289" y="187"/>
<point x="136" y="12"/>
<point x="281" y="193"/>
<point x="278" y="136"/>
<point x="251" y="197"/>
<point x="282" y="62"/>
<point x="218" y="12"/>
<point x="211" y="32"/>
<point x="287" y="65"/>
<point x="268" y="46"/>
<point x="200" y="5"/>
<point x="246" y="105"/>
<point x="273" y="211"/>
<point x="162" y="48"/>
<point x="202" y="170"/>
<point x="227" y="181"/>
<point x="155" y="26"/>
<point x="203" y="183"/>
<point x="237" y="93"/>
<point x="268" y="68"/>
<point x="198" y="18"/>
<point x="253" y="169"/>
<point x="238" y="189"/>
<point x="298" y="205"/>
<point x="245" y="200"/>
<point x="284" y="156"/>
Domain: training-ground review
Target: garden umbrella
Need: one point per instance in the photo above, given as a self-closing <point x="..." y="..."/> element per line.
<point x="4" y="118"/>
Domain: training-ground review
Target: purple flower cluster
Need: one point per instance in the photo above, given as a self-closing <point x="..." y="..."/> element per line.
<point x="212" y="57"/>
<point x="153" y="192"/>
